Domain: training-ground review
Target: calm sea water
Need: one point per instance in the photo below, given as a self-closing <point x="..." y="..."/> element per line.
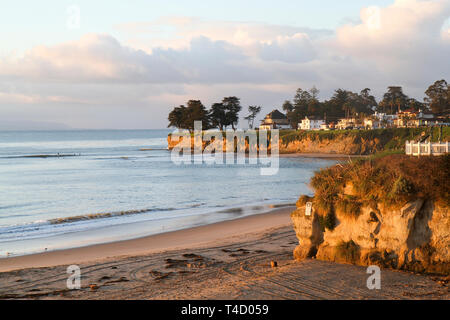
<point x="62" y="189"/>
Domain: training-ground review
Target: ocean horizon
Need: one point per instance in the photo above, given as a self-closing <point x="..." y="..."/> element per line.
<point x="69" y="188"/>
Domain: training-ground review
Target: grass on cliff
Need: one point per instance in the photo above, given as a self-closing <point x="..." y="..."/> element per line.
<point x="371" y="141"/>
<point x="392" y="180"/>
<point x="328" y="221"/>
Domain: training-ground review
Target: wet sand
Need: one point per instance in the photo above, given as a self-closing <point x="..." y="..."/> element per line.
<point x="227" y="260"/>
<point x="212" y="234"/>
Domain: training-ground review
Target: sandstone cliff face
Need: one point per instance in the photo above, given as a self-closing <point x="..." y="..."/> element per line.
<point x="415" y="237"/>
<point x="346" y="145"/>
<point x="173" y="143"/>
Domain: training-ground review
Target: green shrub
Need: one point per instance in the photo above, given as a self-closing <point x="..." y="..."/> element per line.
<point x="303" y="200"/>
<point x="402" y="187"/>
<point x="391" y="179"/>
<point x="371" y="141"/>
<point x="323" y="206"/>
<point x="328" y="221"/>
<point x="349" y="207"/>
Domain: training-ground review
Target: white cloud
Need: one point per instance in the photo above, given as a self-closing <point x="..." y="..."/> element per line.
<point x="177" y="32"/>
<point x="102" y="59"/>
<point x="406" y="45"/>
<point x="399" y="27"/>
<point x="168" y="61"/>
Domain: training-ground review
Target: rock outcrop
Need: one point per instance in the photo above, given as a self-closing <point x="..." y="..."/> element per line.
<point x="350" y="145"/>
<point x="172" y="143"/>
<point x="414" y="237"/>
<point x="350" y="142"/>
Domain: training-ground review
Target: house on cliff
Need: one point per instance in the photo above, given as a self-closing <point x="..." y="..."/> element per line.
<point x="275" y="120"/>
<point x="414" y="119"/>
<point x="312" y="123"/>
<point x="372" y="123"/>
<point x="347" y="123"/>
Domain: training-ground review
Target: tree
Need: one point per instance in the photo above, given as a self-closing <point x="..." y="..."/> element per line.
<point x="416" y="105"/>
<point x="346" y="103"/>
<point x="218" y="116"/>
<point x="314" y="106"/>
<point x="314" y="93"/>
<point x="196" y="111"/>
<point x="438" y="97"/>
<point x="176" y="117"/>
<point x="254" y="110"/>
<point x="340" y="97"/>
<point x="301" y="101"/>
<point x="368" y="100"/>
<point x="339" y="104"/>
<point x="184" y="117"/>
<point x="287" y="106"/>
<point x="382" y="106"/>
<point x="395" y="98"/>
<point x="232" y="106"/>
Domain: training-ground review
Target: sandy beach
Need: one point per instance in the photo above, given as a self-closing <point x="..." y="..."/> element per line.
<point x="210" y="235"/>
<point x="226" y="260"/>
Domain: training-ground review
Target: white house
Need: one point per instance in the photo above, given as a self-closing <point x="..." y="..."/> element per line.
<point x="385" y="120"/>
<point x="372" y="123"/>
<point x="344" y="124"/>
<point x="311" y="123"/>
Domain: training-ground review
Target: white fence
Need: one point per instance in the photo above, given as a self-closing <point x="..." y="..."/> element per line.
<point x="426" y="148"/>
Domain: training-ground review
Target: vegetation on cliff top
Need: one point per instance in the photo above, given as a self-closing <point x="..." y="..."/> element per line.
<point x="392" y="180"/>
<point x="379" y="139"/>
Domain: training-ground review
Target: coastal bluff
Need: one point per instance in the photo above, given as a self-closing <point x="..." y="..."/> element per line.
<point x="414" y="238"/>
<point x="312" y="143"/>
<point x="392" y="211"/>
<point x="172" y="143"/>
<point x="348" y="142"/>
<point x="356" y="142"/>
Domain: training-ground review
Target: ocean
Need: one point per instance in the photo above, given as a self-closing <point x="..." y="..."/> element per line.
<point x="65" y="189"/>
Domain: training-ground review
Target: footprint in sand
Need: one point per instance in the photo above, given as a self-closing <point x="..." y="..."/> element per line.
<point x="160" y="275"/>
<point x="193" y="256"/>
<point x="239" y="252"/>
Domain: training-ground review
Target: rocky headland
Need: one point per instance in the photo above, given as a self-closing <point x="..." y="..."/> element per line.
<point x="392" y="211"/>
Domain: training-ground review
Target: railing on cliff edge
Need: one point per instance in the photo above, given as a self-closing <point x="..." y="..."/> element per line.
<point x="426" y="148"/>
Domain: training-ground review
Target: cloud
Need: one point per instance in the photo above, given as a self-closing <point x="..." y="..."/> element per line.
<point x="291" y="49"/>
<point x="177" y="32"/>
<point x="102" y="59"/>
<point x="403" y="41"/>
<point x="395" y="29"/>
<point x="93" y="58"/>
<point x="157" y="65"/>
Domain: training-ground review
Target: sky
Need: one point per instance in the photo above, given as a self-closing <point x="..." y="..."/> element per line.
<point x="126" y="64"/>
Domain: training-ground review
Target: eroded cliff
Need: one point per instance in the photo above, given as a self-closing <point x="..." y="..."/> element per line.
<point x="414" y="237"/>
<point x="393" y="212"/>
<point x="351" y="142"/>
